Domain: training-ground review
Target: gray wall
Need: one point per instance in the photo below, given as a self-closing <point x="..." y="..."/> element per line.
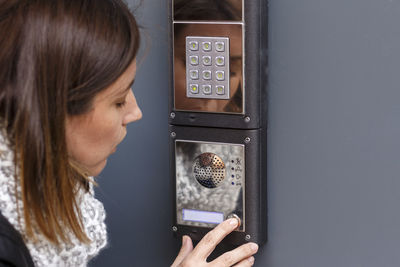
<point x="334" y="147"/>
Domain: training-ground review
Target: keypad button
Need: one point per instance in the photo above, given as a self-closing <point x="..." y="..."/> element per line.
<point x="206" y="46"/>
<point x="220" y="89"/>
<point x="207" y="89"/>
<point x="194" y="74"/>
<point x="220" y="46"/>
<point x="194" y="88"/>
<point x="207" y="61"/>
<point x="220" y="61"/>
<point x="193" y="46"/>
<point x="220" y="75"/>
<point x="207" y="75"/>
<point x="194" y="60"/>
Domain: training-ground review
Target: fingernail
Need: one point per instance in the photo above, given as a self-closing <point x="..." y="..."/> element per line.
<point x="251" y="260"/>
<point x="254" y="247"/>
<point x="233" y="222"/>
<point x="184" y="240"/>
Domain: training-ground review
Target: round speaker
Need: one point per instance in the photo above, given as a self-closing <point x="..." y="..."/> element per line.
<point x="209" y="170"/>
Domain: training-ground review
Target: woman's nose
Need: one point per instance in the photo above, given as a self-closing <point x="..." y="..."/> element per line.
<point x="133" y="112"/>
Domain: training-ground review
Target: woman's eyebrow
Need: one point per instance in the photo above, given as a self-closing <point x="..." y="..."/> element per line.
<point x="235" y="58"/>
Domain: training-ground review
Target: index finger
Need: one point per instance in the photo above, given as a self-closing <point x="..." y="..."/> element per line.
<point x="212" y="238"/>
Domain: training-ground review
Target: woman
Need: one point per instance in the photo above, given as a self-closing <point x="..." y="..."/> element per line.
<point x="66" y="71"/>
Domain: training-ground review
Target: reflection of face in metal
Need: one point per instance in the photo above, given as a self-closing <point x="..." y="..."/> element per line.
<point x="209" y="170"/>
<point x="235" y="102"/>
<point x="211" y="10"/>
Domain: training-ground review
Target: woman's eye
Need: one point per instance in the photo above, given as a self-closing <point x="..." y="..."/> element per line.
<point x="120" y="104"/>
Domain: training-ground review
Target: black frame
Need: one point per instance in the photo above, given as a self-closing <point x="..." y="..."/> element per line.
<point x="233" y="128"/>
<point x="255" y="203"/>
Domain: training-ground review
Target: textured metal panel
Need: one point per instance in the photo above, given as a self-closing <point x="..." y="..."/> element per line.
<point x="209" y="177"/>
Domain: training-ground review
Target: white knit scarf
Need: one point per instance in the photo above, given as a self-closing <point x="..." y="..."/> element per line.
<point x="43" y="252"/>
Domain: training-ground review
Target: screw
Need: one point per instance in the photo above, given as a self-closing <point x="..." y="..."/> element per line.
<point x="172" y="115"/>
<point x="173" y="134"/>
<point x="247" y="119"/>
<point x="247" y="140"/>
<point x="248" y="237"/>
<point x="174" y="228"/>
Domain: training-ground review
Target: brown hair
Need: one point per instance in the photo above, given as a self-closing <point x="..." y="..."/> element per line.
<point x="223" y="10"/>
<point x="55" y="56"/>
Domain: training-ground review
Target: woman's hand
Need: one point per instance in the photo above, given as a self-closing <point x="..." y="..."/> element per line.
<point x="197" y="257"/>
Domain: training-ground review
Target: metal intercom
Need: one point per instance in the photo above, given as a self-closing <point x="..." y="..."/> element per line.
<point x="218" y="116"/>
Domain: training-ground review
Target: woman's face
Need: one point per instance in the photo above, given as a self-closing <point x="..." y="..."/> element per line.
<point x="93" y="136"/>
<point x="183" y="102"/>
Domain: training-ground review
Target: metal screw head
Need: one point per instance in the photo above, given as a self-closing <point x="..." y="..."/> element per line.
<point x="248" y="237"/>
<point x="173" y="134"/>
<point x="172" y="115"/>
<point x="247" y="140"/>
<point x="247" y="119"/>
<point x="174" y="228"/>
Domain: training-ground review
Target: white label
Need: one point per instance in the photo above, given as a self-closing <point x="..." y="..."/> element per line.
<point x="202" y="216"/>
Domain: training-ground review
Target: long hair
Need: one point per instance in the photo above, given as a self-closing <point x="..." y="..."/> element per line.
<point x="55" y="56"/>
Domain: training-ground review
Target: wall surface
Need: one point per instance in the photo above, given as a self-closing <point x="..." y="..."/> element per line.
<point x="334" y="146"/>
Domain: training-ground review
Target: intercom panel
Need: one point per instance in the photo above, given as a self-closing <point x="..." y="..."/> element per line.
<point x="218" y="116"/>
<point x="210" y="181"/>
<point x="218" y="174"/>
<point x="219" y="63"/>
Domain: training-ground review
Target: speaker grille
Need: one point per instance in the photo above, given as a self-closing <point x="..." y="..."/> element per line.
<point x="209" y="170"/>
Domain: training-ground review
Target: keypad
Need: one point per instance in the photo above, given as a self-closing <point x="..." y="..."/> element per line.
<point x="207" y="67"/>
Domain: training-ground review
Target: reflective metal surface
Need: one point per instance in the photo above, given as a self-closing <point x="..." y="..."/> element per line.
<point x="216" y="10"/>
<point x="234" y="100"/>
<point x="210" y="177"/>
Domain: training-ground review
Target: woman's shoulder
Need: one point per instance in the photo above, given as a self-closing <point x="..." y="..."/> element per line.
<point x="13" y="251"/>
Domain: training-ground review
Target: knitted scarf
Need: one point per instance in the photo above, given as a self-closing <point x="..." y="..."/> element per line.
<point x="43" y="252"/>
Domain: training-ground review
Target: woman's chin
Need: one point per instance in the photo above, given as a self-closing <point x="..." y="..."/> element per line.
<point x="96" y="170"/>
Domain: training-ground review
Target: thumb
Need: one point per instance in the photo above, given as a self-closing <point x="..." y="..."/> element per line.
<point x="187" y="247"/>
